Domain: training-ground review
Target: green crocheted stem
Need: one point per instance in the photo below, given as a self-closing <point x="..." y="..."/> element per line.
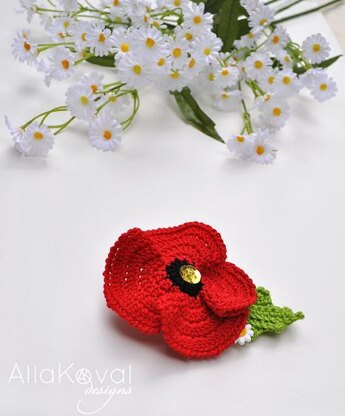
<point x="266" y="317"/>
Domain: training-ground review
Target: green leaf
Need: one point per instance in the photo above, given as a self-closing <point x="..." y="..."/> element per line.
<point x="323" y="65"/>
<point x="228" y="23"/>
<point x="266" y="317"/>
<point x="194" y="115"/>
<point x="107" y="61"/>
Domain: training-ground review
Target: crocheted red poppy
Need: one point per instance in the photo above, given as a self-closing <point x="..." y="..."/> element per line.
<point x="177" y="281"/>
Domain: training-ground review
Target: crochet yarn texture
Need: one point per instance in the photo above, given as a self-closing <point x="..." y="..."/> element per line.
<point x="176" y="281"/>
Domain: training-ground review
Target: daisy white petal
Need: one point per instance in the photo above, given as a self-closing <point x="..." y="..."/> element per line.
<point x="37" y="140"/>
<point x="80" y="102"/>
<point x="316" y="48"/>
<point x="105" y="132"/>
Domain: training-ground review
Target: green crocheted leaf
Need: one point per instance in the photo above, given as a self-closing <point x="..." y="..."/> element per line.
<point x="266" y="317"/>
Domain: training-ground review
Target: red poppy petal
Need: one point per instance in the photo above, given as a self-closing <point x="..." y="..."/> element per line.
<point x="228" y="290"/>
<point x="197" y="243"/>
<point x="193" y="330"/>
<point x="134" y="278"/>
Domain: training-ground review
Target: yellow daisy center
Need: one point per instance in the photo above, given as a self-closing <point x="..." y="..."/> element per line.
<point x="211" y="77"/>
<point x="240" y="139"/>
<point x="65" y="64"/>
<point x="177" y="52"/>
<point x="316" y="47"/>
<point x="124" y="47"/>
<point x="177" y="3"/>
<point x="175" y="75"/>
<point x="277" y="112"/>
<point x="84" y="100"/>
<point x="260" y="150"/>
<point x="207" y="51"/>
<point x="287" y="80"/>
<point x="263" y="22"/>
<point x="271" y="79"/>
<point x="188" y="36"/>
<point x="101" y="38"/>
<point x="137" y="69"/>
<point x="323" y="87"/>
<point x="27" y="46"/>
<point x="107" y="135"/>
<point x="197" y="20"/>
<point x="191" y="63"/>
<point x="258" y="64"/>
<point x="94" y="88"/>
<point x="38" y="135"/>
<point x="225" y="72"/>
<point x="150" y="43"/>
<point x="83" y="37"/>
<point x="275" y="39"/>
<point x="161" y="62"/>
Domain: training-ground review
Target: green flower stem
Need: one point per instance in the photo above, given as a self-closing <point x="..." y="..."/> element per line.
<point x="136" y="104"/>
<point x="63" y="126"/>
<point x="313" y="10"/>
<point x="288" y="6"/>
<point x="46" y="114"/>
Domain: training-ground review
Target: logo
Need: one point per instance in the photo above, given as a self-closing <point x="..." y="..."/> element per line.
<point x="98" y="387"/>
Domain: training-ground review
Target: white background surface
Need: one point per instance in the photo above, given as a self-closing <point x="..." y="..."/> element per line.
<point x="283" y="224"/>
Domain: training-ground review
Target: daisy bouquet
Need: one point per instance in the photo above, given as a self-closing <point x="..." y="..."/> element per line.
<point x="232" y="54"/>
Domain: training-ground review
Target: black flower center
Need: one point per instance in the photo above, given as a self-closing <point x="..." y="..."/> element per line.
<point x="185" y="276"/>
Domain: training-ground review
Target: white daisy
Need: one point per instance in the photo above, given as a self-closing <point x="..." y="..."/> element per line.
<point x="173" y="80"/>
<point x="196" y="19"/>
<point x="194" y="66"/>
<point x="287" y="83"/>
<point x="138" y="11"/>
<point x="268" y="83"/>
<point x="228" y="100"/>
<point x="261" y="17"/>
<point x="16" y="134"/>
<point x="249" y="5"/>
<point x="316" y="48"/>
<point x="78" y="31"/>
<point x="248" y="40"/>
<point x="69" y="5"/>
<point x="245" y="335"/>
<point x="37" y="140"/>
<point x="207" y="46"/>
<point x="257" y="65"/>
<point x="262" y="151"/>
<point x="29" y="7"/>
<point x="276" y="112"/>
<point x="58" y="29"/>
<point x="93" y="81"/>
<point x="122" y="42"/>
<point x="61" y="64"/>
<point x="22" y="47"/>
<point x="80" y="102"/>
<point x="134" y="71"/>
<point x="284" y="58"/>
<point x="115" y="104"/>
<point x="99" y="40"/>
<point x="105" y="132"/>
<point x="181" y="32"/>
<point x="178" y="51"/>
<point x="206" y="79"/>
<point x="149" y="43"/>
<point x="278" y="39"/>
<point x="227" y="76"/>
<point x="241" y="144"/>
<point x="323" y="87"/>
